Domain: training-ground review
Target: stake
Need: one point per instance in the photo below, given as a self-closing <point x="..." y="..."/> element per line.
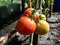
<point x="35" y="39"/>
<point x="39" y="7"/>
<point x="23" y="6"/>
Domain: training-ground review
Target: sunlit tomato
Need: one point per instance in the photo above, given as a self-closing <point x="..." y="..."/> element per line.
<point x="25" y="25"/>
<point x="28" y="11"/>
<point x="42" y="27"/>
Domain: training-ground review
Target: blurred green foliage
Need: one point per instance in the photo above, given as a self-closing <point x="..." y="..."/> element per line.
<point x="9" y="12"/>
<point x="47" y="5"/>
<point x="16" y="6"/>
<point x="6" y="2"/>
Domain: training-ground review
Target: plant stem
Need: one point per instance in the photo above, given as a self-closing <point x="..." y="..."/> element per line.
<point x="11" y="1"/>
<point x="51" y="9"/>
<point x="36" y="4"/>
<point x="40" y="5"/>
<point x="29" y="3"/>
<point x="31" y="39"/>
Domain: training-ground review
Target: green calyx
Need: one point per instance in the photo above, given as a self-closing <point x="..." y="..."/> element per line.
<point x="33" y="11"/>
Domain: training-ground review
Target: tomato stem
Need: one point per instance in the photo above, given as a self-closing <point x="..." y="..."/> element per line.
<point x="29" y="3"/>
<point x="31" y="39"/>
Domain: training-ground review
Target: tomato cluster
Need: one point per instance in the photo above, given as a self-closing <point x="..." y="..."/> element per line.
<point x="32" y="22"/>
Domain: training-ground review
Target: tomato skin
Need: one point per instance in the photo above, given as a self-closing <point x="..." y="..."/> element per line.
<point x="25" y="25"/>
<point x="42" y="27"/>
<point x="28" y="12"/>
<point x="42" y="17"/>
<point x="36" y="18"/>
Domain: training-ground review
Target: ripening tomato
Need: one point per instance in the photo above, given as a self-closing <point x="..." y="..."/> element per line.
<point x="28" y="11"/>
<point x="26" y="25"/>
<point x="42" y="17"/>
<point x="42" y="27"/>
<point x="36" y="17"/>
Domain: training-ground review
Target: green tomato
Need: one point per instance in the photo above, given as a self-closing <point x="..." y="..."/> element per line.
<point x="42" y="17"/>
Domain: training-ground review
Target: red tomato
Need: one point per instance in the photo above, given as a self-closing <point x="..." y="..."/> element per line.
<point x="36" y="17"/>
<point x="28" y="11"/>
<point x="25" y="25"/>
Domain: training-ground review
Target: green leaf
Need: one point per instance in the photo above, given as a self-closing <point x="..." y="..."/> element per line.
<point x="43" y="2"/>
<point x="58" y="41"/>
<point x="34" y="3"/>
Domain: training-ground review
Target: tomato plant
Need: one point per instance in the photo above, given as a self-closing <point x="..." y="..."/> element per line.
<point x="25" y="25"/>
